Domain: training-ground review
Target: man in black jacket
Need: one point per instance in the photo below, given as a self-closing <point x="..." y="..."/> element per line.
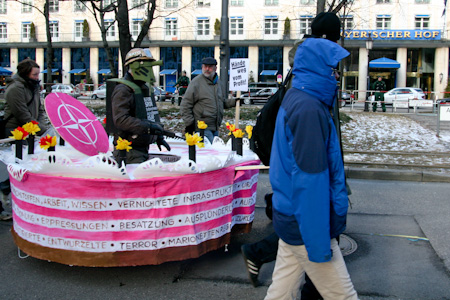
<point x="134" y="110"/>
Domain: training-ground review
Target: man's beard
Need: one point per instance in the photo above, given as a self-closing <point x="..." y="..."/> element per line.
<point x="210" y="75"/>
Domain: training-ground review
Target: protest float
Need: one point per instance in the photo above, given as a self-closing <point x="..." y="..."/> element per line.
<point x="76" y="205"/>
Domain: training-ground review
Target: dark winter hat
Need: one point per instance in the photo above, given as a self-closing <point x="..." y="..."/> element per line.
<point x="209" y="61"/>
<point x="328" y="24"/>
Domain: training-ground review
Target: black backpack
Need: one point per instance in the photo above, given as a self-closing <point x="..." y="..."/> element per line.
<point x="265" y="123"/>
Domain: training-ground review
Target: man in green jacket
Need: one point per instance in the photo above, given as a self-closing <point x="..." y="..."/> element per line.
<point x="182" y="85"/>
<point x="205" y="101"/>
<point x="380" y="87"/>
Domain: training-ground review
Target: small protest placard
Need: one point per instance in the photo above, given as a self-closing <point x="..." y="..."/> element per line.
<point x="239" y="74"/>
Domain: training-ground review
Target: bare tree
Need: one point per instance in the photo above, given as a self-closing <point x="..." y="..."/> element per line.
<point x="45" y="11"/>
<point x="121" y="10"/>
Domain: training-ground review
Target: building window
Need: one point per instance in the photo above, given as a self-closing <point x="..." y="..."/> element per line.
<point x="422" y="22"/>
<point x="53" y="6"/>
<point x="237" y="3"/>
<point x="54" y="29"/>
<point x="26" y="26"/>
<point x="136" y="27"/>
<point x="271" y="25"/>
<point x="78" y="29"/>
<point x="347" y="22"/>
<point x="2" y="6"/>
<point x="3" y="31"/>
<point x="305" y="24"/>
<point x="171" y="27"/>
<point x="270" y="2"/>
<point x="307" y="2"/>
<point x="236" y="26"/>
<point x="422" y="1"/>
<point x="79" y="6"/>
<point x="171" y="3"/>
<point x="26" y="6"/>
<point x="383" y="1"/>
<point x="383" y="22"/>
<point x="203" y="3"/>
<point x="138" y="3"/>
<point x="203" y="26"/>
<point x="110" y="28"/>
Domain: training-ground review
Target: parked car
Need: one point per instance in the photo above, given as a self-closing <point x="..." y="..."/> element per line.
<point x="259" y="96"/>
<point x="401" y="94"/>
<point x="345" y="97"/>
<point x="99" y="93"/>
<point x="2" y="89"/>
<point x="161" y="94"/>
<point x="69" y="89"/>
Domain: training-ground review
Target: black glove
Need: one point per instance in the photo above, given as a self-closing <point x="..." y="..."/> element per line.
<point x="153" y="128"/>
<point x="161" y="142"/>
<point x="190" y="129"/>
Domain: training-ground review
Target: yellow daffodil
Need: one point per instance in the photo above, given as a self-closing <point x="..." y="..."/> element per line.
<point x="19" y="134"/>
<point x="32" y="127"/>
<point x="195" y="139"/>
<point x="230" y="127"/>
<point x="249" y="130"/>
<point x="47" y="142"/>
<point x="201" y="125"/>
<point x="238" y="133"/>
<point x="123" y="144"/>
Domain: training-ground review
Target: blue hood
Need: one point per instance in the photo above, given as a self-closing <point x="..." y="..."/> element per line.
<point x="314" y="62"/>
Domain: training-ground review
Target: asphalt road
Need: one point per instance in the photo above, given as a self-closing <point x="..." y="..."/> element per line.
<point x="402" y="252"/>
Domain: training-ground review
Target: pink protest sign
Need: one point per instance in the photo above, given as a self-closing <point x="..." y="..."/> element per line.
<point x="76" y="124"/>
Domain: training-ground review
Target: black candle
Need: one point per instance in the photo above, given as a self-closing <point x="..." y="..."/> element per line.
<point x="31" y="144"/>
<point x="233" y="142"/>
<point x="192" y="153"/>
<point x="19" y="144"/>
<point x="122" y="157"/>
<point x="239" y="146"/>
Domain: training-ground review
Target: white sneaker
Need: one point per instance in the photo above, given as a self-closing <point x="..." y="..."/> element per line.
<point x="5" y="216"/>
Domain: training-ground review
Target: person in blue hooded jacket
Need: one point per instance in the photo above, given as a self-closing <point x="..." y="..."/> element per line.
<point x="310" y="199"/>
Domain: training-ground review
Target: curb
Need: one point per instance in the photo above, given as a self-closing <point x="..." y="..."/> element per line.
<point x="402" y="175"/>
<point x="389" y="174"/>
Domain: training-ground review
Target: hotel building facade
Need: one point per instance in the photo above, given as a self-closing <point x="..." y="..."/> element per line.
<point x="410" y="39"/>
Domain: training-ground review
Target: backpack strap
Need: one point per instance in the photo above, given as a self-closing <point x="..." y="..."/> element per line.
<point x="132" y="85"/>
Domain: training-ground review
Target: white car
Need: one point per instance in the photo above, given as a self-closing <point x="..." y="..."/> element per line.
<point x="99" y="93"/>
<point x="68" y="89"/>
<point x="401" y="94"/>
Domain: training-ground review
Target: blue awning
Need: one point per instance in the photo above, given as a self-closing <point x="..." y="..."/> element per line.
<point x="77" y="71"/>
<point x="168" y="72"/>
<point x="197" y="72"/>
<point x="384" y="63"/>
<point x="54" y="71"/>
<point x="269" y="72"/>
<point x="5" y="72"/>
<point x="104" y="71"/>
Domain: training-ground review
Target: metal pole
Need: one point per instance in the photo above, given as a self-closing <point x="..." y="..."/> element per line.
<point x="438" y="127"/>
<point x="366" y="103"/>
<point x="224" y="49"/>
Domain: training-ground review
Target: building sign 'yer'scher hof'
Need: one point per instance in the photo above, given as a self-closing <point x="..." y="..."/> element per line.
<point x="429" y="35"/>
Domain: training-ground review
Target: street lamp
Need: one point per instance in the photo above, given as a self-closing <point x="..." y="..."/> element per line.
<point x="369" y="45"/>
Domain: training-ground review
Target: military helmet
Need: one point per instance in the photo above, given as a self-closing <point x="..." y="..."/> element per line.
<point x="138" y="54"/>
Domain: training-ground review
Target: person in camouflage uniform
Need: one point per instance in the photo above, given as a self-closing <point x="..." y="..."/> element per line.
<point x="182" y="84"/>
<point x="380" y="87"/>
